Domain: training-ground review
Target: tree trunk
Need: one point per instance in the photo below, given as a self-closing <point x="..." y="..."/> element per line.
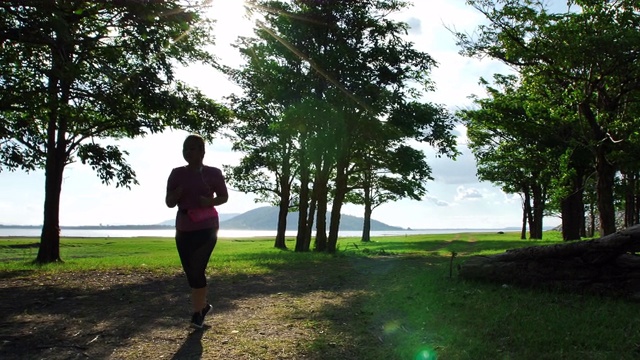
<point x="340" y="192"/>
<point x="592" y="221"/>
<point x="334" y="226"/>
<point x="535" y="228"/>
<point x="636" y="213"/>
<point x="606" y="174"/>
<point x="56" y="157"/>
<point x="321" y="220"/>
<point x="528" y="209"/>
<point x="571" y="217"/>
<point x="607" y="265"/>
<point x="321" y="195"/>
<point x="366" y="225"/>
<point x="525" y="202"/>
<point x="49" y="250"/>
<point x="283" y="211"/>
<point x="303" y="210"/>
<point x="629" y="183"/>
<point x="310" y="222"/>
<point x="572" y="209"/>
<point x="303" y="237"/>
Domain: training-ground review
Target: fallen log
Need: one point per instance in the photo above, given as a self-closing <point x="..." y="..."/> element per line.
<point x="608" y="265"/>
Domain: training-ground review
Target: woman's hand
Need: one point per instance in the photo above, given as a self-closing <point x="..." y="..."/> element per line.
<point x="173" y="196"/>
<point x="206" y="201"/>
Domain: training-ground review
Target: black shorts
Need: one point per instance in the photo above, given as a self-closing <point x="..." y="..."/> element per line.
<point x="195" y="248"/>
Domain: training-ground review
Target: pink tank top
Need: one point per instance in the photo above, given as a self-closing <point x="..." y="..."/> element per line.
<point x="207" y="182"/>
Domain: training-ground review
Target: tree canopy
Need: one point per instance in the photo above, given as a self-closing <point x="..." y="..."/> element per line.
<point x="75" y="72"/>
<point x="583" y="65"/>
<point x="330" y="98"/>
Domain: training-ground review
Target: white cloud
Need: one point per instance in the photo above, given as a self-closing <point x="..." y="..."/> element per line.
<point x="436" y="201"/>
<point x="462" y="170"/>
<point x="415" y="26"/>
<point x="467" y="194"/>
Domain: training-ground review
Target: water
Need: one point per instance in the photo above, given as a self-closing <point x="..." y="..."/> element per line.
<point x="223" y="233"/>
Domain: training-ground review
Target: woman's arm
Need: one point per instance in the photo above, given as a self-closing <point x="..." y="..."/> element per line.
<point x="219" y="200"/>
<point x="206" y="201"/>
<point x="174" y="190"/>
<point x="219" y="190"/>
<point x="173" y="196"/>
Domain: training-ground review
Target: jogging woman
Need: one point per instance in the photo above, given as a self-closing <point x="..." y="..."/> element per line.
<point x="196" y="189"/>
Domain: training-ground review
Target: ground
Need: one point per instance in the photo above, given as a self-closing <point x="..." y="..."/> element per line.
<point x="142" y="314"/>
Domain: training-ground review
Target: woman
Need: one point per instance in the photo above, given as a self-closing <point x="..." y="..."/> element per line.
<point x="192" y="188"/>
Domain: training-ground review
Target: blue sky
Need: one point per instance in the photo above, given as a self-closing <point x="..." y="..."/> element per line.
<point x="456" y="199"/>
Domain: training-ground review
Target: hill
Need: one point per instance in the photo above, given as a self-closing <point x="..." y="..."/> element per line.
<point x="266" y="218"/>
<point x="222" y="216"/>
<point x="263" y="218"/>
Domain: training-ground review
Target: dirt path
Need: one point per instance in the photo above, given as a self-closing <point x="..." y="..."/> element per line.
<point x="294" y="314"/>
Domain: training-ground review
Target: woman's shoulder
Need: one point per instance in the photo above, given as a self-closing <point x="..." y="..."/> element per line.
<point x="211" y="169"/>
<point x="178" y="171"/>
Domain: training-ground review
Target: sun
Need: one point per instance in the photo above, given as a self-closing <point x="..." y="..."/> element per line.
<point x="231" y="20"/>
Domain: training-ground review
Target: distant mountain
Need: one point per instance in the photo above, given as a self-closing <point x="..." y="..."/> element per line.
<point x="94" y="227"/>
<point x="266" y="218"/>
<point x="263" y="218"/>
<point x="222" y="216"/>
<point x="160" y="226"/>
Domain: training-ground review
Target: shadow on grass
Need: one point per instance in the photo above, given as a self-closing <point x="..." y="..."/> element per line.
<point x="192" y="346"/>
<point x="15" y="274"/>
<point x="23" y="246"/>
<point x="422" y="247"/>
<point x="140" y="314"/>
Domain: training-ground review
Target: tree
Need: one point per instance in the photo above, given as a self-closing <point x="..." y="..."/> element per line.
<point x="560" y="51"/>
<point x="269" y="126"/>
<point x="75" y="72"/>
<point x="267" y="168"/>
<point x="388" y="169"/>
<point x="515" y="141"/>
<point x="400" y="173"/>
<point x="332" y="88"/>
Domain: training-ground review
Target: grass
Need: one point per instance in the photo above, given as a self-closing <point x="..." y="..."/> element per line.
<point x="410" y="308"/>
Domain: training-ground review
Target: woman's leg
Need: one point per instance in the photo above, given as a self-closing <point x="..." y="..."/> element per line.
<point x="195" y="248"/>
<point x="199" y="298"/>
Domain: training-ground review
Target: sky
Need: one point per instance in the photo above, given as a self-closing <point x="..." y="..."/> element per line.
<point x="456" y="199"/>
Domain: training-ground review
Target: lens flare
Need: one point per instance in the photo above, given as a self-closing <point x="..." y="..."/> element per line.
<point x="426" y="354"/>
<point x="391" y="327"/>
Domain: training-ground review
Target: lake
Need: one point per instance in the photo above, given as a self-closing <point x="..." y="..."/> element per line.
<point x="223" y="233"/>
